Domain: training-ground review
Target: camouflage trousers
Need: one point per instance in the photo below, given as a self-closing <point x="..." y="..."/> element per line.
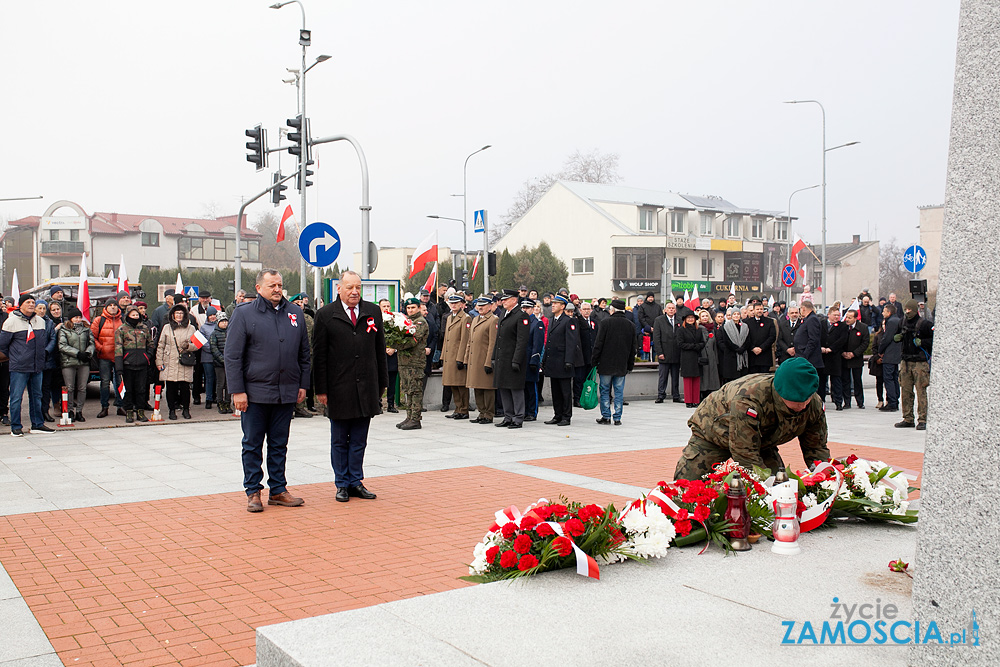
<point x="700" y="456"/>
<point x="914" y="374"/>
<point x="411" y="384"/>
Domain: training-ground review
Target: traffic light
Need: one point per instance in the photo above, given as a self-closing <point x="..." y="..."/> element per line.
<point x="276" y="195"/>
<point x="463" y="279"/>
<point x="232" y="286"/>
<point x="258" y="147"/>
<point x="296" y="136"/>
<point x="491" y="263"/>
<point x="309" y="172"/>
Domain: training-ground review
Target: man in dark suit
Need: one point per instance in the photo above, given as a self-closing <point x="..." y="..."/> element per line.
<point x="854" y="359"/>
<point x="762" y="335"/>
<point x="667" y="353"/>
<point x="833" y="346"/>
<point x="351" y="374"/>
<point x="892" y="354"/>
<point x="532" y="360"/>
<point x="562" y="354"/>
<point x="809" y="336"/>
<point x="508" y="355"/>
<point x="786" y="334"/>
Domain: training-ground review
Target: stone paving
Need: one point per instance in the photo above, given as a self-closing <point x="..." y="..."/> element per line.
<point x="132" y="545"/>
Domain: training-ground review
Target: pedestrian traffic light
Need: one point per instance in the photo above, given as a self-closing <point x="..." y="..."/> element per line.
<point x="463" y="279"/>
<point x="258" y="146"/>
<point x="296" y="136"/>
<point x="309" y="172"/>
<point x="491" y="263"/>
<point x="232" y="286"/>
<point x="278" y="188"/>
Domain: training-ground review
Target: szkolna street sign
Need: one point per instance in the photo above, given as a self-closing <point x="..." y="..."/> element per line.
<point x="914" y="259"/>
<point x="319" y="244"/>
<point x="788" y="275"/>
<point x="479" y="221"/>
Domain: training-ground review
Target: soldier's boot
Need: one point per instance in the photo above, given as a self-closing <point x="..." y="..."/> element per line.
<point x="130" y="417"/>
<point x="411" y="425"/>
<point x="404" y="422"/>
<point x="140" y="416"/>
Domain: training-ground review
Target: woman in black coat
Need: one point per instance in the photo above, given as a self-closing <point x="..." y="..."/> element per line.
<point x="691" y="343"/>
<point x="733" y="340"/>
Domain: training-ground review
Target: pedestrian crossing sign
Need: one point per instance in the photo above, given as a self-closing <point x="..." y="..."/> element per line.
<point x="479" y="221"/>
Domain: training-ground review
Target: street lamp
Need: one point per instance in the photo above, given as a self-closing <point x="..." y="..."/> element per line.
<point x="465" y="218"/>
<point x="823" y="184"/>
<point x="441" y="217"/>
<point x="788" y="290"/>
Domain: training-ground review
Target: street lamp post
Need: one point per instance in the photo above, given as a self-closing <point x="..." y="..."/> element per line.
<point x="788" y="290"/>
<point x="441" y="217"/>
<point x="465" y="210"/>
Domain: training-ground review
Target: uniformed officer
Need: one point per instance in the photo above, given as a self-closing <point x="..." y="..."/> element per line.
<point x="562" y="354"/>
<point x="455" y="328"/>
<point x="508" y="357"/>
<point x="748" y="418"/>
<point x="479" y="359"/>
<point x="411" y="366"/>
<point x="533" y="359"/>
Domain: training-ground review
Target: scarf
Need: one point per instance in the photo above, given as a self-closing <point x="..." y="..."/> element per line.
<point x="739" y="337"/>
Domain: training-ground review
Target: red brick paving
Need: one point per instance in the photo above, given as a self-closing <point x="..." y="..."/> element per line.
<point x="186" y="581"/>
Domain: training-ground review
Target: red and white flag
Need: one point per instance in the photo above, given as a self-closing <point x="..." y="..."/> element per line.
<point x="694" y="302"/>
<point x="121" y="387"/>
<point x="285" y="217"/>
<point x="83" y="290"/>
<point x="122" y="276"/>
<point x="15" y="290"/>
<point x="179" y="286"/>
<point x="31" y="332"/>
<point x="732" y="289"/>
<point x="424" y="254"/>
<point x="431" y="279"/>
<point x="797" y="247"/>
<point x="475" y="266"/>
<point x="198" y="340"/>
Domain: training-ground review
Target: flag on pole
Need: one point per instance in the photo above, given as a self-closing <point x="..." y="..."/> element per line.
<point x="687" y="297"/>
<point x="424" y="253"/>
<point x="83" y="290"/>
<point x="111" y="274"/>
<point x="770" y="302"/>
<point x="31" y="332"/>
<point x="798" y="246"/>
<point x="285" y="217"/>
<point x="122" y="276"/>
<point x="179" y="287"/>
<point x="15" y="290"/>
<point x="475" y="266"/>
<point x="121" y="387"/>
<point x="431" y="279"/>
<point x="855" y="306"/>
<point x="732" y="289"/>
<point x="198" y="340"/>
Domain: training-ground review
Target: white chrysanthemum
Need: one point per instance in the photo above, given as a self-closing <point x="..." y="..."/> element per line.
<point x="829" y="484"/>
<point x="809" y="500"/>
<point x="635" y="522"/>
<point x="903" y="506"/>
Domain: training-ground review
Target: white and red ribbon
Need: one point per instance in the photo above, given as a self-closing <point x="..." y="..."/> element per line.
<point x="371" y="325"/>
<point x="586" y="566"/>
<point x="813" y="517"/>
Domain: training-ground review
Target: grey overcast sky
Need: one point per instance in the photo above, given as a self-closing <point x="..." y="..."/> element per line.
<point x="140" y="107"/>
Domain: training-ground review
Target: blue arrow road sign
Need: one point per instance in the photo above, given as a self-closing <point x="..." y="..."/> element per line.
<point x="788" y="275"/>
<point x="319" y="244"/>
<point x="914" y="259"/>
<point x="479" y="221"/>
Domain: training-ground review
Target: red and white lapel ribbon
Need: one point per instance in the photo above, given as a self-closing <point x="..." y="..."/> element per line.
<point x="371" y="325"/>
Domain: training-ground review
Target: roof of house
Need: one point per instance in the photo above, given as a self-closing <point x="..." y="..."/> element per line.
<point x="126" y="223"/>
<point x="836" y="252"/>
<point x="641" y="197"/>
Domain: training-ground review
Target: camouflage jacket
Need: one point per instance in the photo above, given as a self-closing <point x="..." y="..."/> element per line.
<point x="747" y="416"/>
<point x="413" y="356"/>
<point x="133" y="346"/>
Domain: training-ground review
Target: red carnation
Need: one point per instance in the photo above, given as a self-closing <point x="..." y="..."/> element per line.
<point x="683" y="528"/>
<point x="527" y="562"/>
<point x="671" y="492"/>
<point x="593" y="512"/>
<point x="508" y="559"/>
<point x="528" y="522"/>
<point x="701" y="512"/>
<point x="491" y="554"/>
<point x="544" y="530"/>
<point x="559" y="510"/>
<point x="616" y="536"/>
<point x="661" y="484"/>
<point x="682" y="514"/>
<point x="574" y="527"/>
<point x="563" y="546"/>
<point x="543" y="512"/>
<point x="522" y="544"/>
<point x="508" y="530"/>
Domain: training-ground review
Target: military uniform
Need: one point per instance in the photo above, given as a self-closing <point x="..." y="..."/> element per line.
<point x="746" y="420"/>
<point x="479" y="357"/>
<point x="456" y="339"/>
<point x="915" y="368"/>
<point x="411" y="369"/>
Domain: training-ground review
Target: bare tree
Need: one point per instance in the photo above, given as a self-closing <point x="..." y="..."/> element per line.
<point x="892" y="277"/>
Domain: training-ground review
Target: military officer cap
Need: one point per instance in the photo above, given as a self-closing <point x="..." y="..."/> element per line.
<point x="796" y="380"/>
<point x="507" y="293"/>
<point x="456" y="298"/>
<point x="424" y="292"/>
<point x="561" y="299"/>
<point x="484" y="300"/>
<point x="527" y="303"/>
<point x="412" y="301"/>
<point x="298" y="296"/>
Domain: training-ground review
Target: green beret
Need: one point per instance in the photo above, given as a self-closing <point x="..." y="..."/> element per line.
<point x="796" y="380"/>
<point x="300" y="295"/>
<point x="412" y="301"/>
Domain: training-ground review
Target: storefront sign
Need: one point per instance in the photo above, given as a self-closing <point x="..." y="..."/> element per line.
<point x="741" y="287"/>
<point x="743" y="266"/>
<point x="632" y="285"/>
<point x="690" y="286"/>
<point x="680" y="242"/>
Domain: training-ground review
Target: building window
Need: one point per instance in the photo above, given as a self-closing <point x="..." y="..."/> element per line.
<point x="583" y="265"/>
<point x="151" y="239"/>
<point x="74" y="269"/>
<point x="781" y="230"/>
<point x="110" y="268"/>
<point x="54" y="271"/>
<point x="53" y="234"/>
<point x="638" y="263"/>
<point x="74" y="235"/>
<point x="733" y="227"/>
<point x="677" y="222"/>
<point x="219" y="250"/>
<point x="707" y="224"/>
<point x="757" y="228"/>
<point x="647" y="220"/>
<point x="147" y="267"/>
<point x="680" y="266"/>
<point x="706" y="268"/>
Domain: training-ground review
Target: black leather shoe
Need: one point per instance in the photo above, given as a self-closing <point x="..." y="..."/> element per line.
<point x="359" y="491"/>
<point x="554" y="420"/>
<point x="103" y="413"/>
<point x="904" y="424"/>
<point x="529" y="418"/>
<point x="618" y="422"/>
<point x="861" y="407"/>
<point x="847" y="406"/>
<point x="451" y="416"/>
<point x="186" y="413"/>
<point x="839" y="408"/>
<point x="460" y="417"/>
<point x="342" y="495"/>
<point x="173" y="415"/>
<point x="504" y="424"/>
<point x="513" y="425"/>
<point x="604" y="420"/>
<point x="121" y="412"/>
<point x="391" y="408"/>
<point x="564" y="422"/>
<point x="888" y="409"/>
<point x="5" y="420"/>
<point x="445" y="408"/>
<point x="46" y="417"/>
<point x="921" y="426"/>
<point x="413" y="425"/>
<point x="658" y="400"/>
<point x="197" y="400"/>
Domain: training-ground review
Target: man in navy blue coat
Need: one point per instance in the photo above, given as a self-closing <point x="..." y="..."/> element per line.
<point x="532" y="360"/>
<point x="267" y="370"/>
<point x="808" y="339"/>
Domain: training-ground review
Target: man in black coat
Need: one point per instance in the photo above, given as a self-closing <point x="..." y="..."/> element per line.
<point x="762" y="336"/>
<point x="508" y="357"/>
<point x="267" y="372"/>
<point x="351" y="374"/>
<point x="667" y="354"/>
<point x="532" y="360"/>
<point x="808" y="336"/>
<point x="786" y="334"/>
<point x="833" y="346"/>
<point x="562" y="354"/>
<point x="892" y="355"/>
<point x="649" y="310"/>
<point x="854" y="359"/>
<point x="614" y="357"/>
<point x="588" y="334"/>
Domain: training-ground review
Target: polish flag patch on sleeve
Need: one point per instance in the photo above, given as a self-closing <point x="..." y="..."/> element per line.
<point x="751" y="413"/>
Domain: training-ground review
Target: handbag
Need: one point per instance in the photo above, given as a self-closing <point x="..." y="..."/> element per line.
<point x="185" y="358"/>
<point x="589" y="397"/>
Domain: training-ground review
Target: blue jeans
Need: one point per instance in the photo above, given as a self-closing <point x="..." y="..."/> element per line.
<point x="271" y="420"/>
<point x="18" y="382"/>
<point x="890" y="375"/>
<point x="109" y="382"/>
<point x="607" y="383"/>
<point x="348" y="439"/>
<point x="208" y="370"/>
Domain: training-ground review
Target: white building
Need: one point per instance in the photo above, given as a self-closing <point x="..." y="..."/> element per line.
<point x="50" y="245"/>
<point x="931" y="227"/>
<point x="394" y="263"/>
